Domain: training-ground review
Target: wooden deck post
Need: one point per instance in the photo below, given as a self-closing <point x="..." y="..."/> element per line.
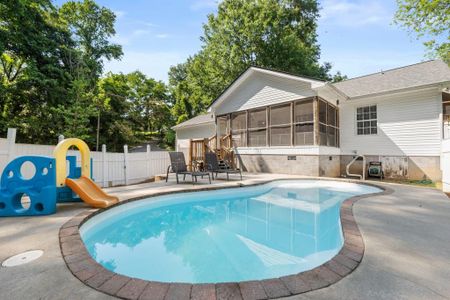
<point x="316" y="121"/>
<point x="190" y="154"/>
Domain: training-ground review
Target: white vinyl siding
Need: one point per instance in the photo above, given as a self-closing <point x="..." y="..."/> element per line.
<point x="408" y="125"/>
<point x="262" y="90"/>
<point x="195" y="132"/>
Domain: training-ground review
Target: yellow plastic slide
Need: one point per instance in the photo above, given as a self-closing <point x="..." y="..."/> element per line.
<point x="90" y="193"/>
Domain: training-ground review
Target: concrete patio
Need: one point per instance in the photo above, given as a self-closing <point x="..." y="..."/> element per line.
<point x="406" y="235"/>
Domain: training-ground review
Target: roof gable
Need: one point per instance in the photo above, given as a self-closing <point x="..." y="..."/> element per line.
<point x="254" y="82"/>
<point x="195" y="121"/>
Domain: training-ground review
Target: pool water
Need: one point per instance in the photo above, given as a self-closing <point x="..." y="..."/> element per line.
<point x="248" y="233"/>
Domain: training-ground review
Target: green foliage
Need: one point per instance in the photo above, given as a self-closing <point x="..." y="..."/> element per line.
<point x="130" y="106"/>
<point x="338" y="77"/>
<point x="51" y="60"/>
<point x="169" y="139"/>
<point x="278" y="34"/>
<point x="92" y="26"/>
<point x="429" y="19"/>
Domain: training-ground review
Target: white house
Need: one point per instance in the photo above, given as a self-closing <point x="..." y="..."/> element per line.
<point x="284" y="123"/>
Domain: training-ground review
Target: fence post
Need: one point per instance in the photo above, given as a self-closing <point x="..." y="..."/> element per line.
<point x="60" y="138"/>
<point x="148" y="161"/>
<point x="11" y="138"/>
<point x="104" y="164"/>
<point x="125" y="161"/>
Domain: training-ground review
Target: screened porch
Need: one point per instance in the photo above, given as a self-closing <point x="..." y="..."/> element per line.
<point x="306" y="122"/>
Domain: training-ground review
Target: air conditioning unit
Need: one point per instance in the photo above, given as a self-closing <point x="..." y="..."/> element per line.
<point x="375" y="169"/>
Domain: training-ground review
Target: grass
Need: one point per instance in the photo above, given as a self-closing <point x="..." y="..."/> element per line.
<point x="422" y="183"/>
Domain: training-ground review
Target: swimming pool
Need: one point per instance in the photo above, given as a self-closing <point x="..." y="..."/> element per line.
<point x="248" y="233"/>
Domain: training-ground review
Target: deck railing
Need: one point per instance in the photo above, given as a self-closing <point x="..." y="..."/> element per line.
<point x="222" y="146"/>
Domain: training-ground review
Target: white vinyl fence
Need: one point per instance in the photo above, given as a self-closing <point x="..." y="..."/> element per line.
<point x="109" y="169"/>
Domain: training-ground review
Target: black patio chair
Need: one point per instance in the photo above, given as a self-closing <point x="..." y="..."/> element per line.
<point x="178" y="166"/>
<point x="213" y="166"/>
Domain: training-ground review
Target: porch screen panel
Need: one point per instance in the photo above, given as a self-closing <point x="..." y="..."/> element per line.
<point x="280" y="136"/>
<point x="239" y="129"/>
<point x="238" y="121"/>
<point x="257" y="138"/>
<point x="222" y="126"/>
<point x="280" y="125"/>
<point x="328" y="124"/>
<point x="239" y="138"/>
<point x="304" y="123"/>
<point x="332" y="126"/>
<point x="257" y="129"/>
<point x="304" y="134"/>
<point x="257" y="118"/>
<point x="304" y="111"/>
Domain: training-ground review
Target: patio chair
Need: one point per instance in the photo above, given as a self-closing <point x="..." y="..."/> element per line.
<point x="213" y="166"/>
<point x="178" y="166"/>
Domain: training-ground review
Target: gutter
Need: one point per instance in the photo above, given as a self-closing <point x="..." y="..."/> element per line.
<point x="426" y="86"/>
<point x="191" y="125"/>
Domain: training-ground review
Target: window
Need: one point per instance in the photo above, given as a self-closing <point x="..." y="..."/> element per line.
<point x="280" y="125"/>
<point x="304" y="123"/>
<point x="257" y="128"/>
<point x="257" y="138"/>
<point x="238" y="121"/>
<point x="366" y="120"/>
<point x="239" y="129"/>
<point x="304" y="111"/>
<point x="257" y="118"/>
<point x="222" y="126"/>
<point x="328" y="125"/>
<point x="304" y="134"/>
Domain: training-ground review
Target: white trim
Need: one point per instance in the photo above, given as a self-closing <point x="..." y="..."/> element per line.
<point x="179" y="126"/>
<point x="289" y="150"/>
<point x="314" y="83"/>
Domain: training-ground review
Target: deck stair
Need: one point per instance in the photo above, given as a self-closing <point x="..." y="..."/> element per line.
<point x="221" y="146"/>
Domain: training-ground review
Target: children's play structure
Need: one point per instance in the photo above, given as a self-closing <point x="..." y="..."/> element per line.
<point x="56" y="180"/>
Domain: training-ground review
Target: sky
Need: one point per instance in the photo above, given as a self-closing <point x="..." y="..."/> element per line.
<point x="357" y="37"/>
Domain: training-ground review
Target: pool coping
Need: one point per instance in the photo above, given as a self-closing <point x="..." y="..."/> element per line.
<point x="94" y="275"/>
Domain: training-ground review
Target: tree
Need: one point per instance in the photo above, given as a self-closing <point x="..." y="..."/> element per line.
<point x="115" y="128"/>
<point x="33" y="71"/>
<point x="149" y="102"/>
<point x="278" y="34"/>
<point x="92" y="27"/>
<point x="428" y="19"/>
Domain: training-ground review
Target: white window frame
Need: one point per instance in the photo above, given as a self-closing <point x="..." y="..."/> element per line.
<point x="366" y="120"/>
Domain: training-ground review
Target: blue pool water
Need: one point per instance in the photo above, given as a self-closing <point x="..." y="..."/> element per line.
<point x="248" y="233"/>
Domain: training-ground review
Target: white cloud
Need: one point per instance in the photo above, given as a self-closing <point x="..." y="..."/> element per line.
<point x="129" y="38"/>
<point x="355" y="14"/>
<point x="146" y="24"/>
<point x="162" y="36"/>
<point x="357" y="64"/>
<point x="153" y="64"/>
<point x="203" y="4"/>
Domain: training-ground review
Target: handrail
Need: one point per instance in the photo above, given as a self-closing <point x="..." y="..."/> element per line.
<point x="347" y="169"/>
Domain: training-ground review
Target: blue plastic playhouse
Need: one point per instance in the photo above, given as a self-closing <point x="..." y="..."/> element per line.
<point x="41" y="189"/>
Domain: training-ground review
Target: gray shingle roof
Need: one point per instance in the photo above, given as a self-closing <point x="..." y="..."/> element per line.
<point x="425" y="73"/>
<point x="200" y="119"/>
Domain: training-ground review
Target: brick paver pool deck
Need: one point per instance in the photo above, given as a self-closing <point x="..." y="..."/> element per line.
<point x="405" y="230"/>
